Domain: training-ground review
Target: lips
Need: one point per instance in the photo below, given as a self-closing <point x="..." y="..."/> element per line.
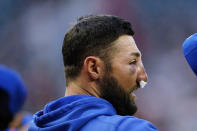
<point x="133" y="96"/>
<point x="141" y="84"/>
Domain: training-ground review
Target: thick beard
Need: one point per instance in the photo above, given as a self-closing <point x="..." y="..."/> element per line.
<point x="113" y="93"/>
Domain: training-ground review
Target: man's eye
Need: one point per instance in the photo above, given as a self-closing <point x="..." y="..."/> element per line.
<point x="133" y="62"/>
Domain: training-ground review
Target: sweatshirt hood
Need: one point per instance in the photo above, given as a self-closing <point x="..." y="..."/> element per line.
<point x="70" y="113"/>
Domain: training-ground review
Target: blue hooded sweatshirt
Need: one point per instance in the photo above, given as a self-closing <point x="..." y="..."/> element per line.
<point x="85" y="113"/>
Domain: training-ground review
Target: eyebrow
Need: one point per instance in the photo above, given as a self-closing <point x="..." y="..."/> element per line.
<point x="137" y="54"/>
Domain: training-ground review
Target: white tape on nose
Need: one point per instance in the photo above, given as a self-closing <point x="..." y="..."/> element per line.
<point x="142" y="84"/>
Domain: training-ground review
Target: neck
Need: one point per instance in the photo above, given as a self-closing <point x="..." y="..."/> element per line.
<point x="82" y="88"/>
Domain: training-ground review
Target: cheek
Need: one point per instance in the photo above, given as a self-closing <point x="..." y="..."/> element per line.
<point x="132" y="69"/>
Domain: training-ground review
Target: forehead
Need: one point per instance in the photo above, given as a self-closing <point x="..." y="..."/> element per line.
<point x="126" y="46"/>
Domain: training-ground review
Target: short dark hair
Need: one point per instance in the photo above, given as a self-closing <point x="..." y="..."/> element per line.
<point x="91" y="35"/>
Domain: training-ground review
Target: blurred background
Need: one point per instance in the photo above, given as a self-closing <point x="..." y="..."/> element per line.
<point x="32" y="31"/>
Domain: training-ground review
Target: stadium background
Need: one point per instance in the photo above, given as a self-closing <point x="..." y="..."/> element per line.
<point x="32" y="31"/>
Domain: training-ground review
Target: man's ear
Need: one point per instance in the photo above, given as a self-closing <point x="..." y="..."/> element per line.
<point x="94" y="67"/>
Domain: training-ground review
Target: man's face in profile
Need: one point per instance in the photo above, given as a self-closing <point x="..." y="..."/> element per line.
<point x="118" y="84"/>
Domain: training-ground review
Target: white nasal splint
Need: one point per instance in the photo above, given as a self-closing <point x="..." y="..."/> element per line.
<point x="142" y="84"/>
